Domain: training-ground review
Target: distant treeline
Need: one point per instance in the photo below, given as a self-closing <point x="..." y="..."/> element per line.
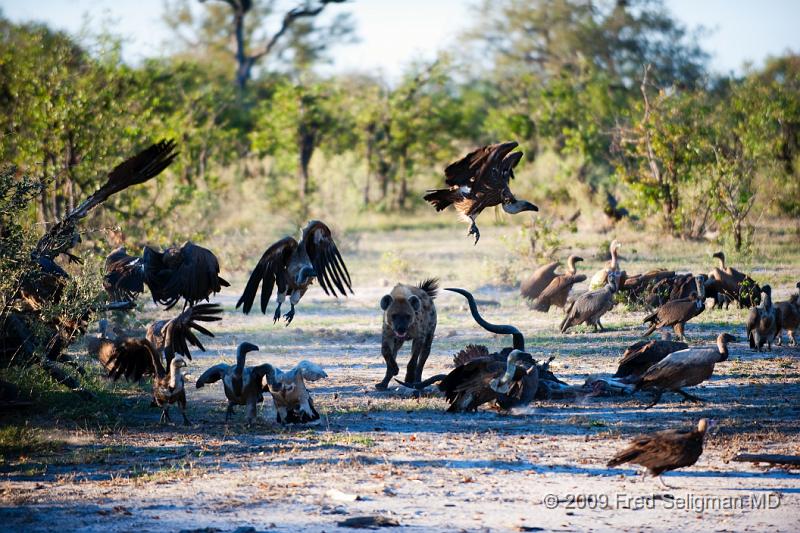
<point x="618" y="93"/>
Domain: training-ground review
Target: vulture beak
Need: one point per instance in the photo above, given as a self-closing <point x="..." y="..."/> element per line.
<point x="518" y="207"/>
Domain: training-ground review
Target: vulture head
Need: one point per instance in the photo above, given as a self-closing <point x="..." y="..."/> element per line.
<point x="512" y="206"/>
<point x="503" y="384"/>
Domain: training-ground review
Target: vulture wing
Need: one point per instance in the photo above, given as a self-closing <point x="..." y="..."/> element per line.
<point x="539" y="280"/>
<point x="124" y="275"/>
<point x="135" y="358"/>
<point x="560" y="283"/>
<point x="470" y="353"/>
<point x="212" y="375"/>
<point x="271" y="269"/>
<point x="328" y="263"/>
<point x="178" y="332"/>
<point x="310" y="371"/>
<point x="197" y="276"/>
<point x="474" y="164"/>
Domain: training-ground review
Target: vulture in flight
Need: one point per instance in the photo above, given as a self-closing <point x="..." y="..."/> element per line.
<point x="293" y="266"/>
<point x="188" y="271"/>
<point x="665" y="450"/>
<point x="480" y="180"/>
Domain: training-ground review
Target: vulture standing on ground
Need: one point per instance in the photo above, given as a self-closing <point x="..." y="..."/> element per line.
<point x="764" y="322"/>
<point x="675" y="313"/>
<point x="590" y="306"/>
<point x="665" y="450"/>
<point x="684" y="368"/>
<point x="556" y="290"/>
<point x="639" y="357"/>
<point x="242" y="384"/>
<point x="480" y="180"/>
<point x="639" y="285"/>
<point x="189" y="271"/>
<point x="293" y="403"/>
<point x="600" y="278"/>
<point x="790" y="317"/>
<point x="293" y="266"/>
<point x="727" y="283"/>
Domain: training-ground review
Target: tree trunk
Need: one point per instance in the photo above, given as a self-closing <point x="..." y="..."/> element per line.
<point x="307" y="145"/>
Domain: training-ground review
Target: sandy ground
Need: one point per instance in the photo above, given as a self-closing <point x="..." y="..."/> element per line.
<point x="388" y="454"/>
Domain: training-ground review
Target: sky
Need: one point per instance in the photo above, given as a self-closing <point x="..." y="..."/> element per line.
<point x="394" y="33"/>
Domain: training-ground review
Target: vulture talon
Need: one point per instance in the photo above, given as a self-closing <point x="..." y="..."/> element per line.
<point x="277" y="315"/>
<point x="289" y="316"/>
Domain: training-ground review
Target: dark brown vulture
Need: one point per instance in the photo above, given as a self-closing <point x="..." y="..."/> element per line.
<point x="590" y="306"/>
<point x="763" y="322"/>
<point x="675" y="313"/>
<point x="639" y="357"/>
<point x="480" y="180"/>
<point x="727" y="284"/>
<point x="665" y="450"/>
<point x="790" y="317"/>
<point x="556" y="290"/>
<point x="684" y="368"/>
<point x="293" y="266"/>
<point x="124" y="275"/>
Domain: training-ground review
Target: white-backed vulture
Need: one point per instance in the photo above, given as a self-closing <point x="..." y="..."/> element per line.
<point x="790" y="317"/>
<point x="293" y="403"/>
<point x="727" y="283"/>
<point x="557" y="290"/>
<point x="600" y="278"/>
<point x="665" y="450"/>
<point x="241" y="383"/>
<point x="675" y="313"/>
<point x="763" y="322"/>
<point x="684" y="368"/>
<point x="590" y="306"/>
<point x="293" y="266"/>
<point x="480" y="180"/>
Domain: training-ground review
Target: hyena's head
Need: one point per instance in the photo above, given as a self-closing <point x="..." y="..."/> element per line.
<point x="399" y="310"/>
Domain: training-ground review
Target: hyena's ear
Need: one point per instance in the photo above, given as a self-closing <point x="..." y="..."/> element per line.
<point x="386" y="301"/>
<point x="414" y="301"/>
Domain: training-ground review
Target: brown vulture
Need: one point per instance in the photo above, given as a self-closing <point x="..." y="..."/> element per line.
<point x="480" y="180"/>
<point x="727" y="283"/>
<point x="590" y="306"/>
<point x="556" y="290"/>
<point x="684" y="368"/>
<point x="293" y="403"/>
<point x="293" y="266"/>
<point x="763" y="322"/>
<point x="790" y="317"/>
<point x="639" y="357"/>
<point x="665" y="450"/>
<point x="675" y="313"/>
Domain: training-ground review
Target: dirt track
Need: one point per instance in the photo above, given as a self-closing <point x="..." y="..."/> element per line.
<point x="391" y="455"/>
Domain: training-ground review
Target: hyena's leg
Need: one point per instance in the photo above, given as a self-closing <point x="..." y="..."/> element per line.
<point x="389" y="348"/>
<point x="423" y="356"/>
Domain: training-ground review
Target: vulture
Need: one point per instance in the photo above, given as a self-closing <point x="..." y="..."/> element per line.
<point x="640" y="286"/>
<point x="684" y="368"/>
<point x="165" y="337"/>
<point x="242" y="384"/>
<point x="546" y="288"/>
<point x="665" y="450"/>
<point x="790" y="317"/>
<point x="727" y="283"/>
<point x="763" y="322"/>
<point x="600" y="278"/>
<point x="590" y="306"/>
<point x="293" y="403"/>
<point x="293" y="266"/>
<point x="480" y="180"/>
<point x="639" y="357"/>
<point x="675" y="313"/>
<point x="188" y="271"/>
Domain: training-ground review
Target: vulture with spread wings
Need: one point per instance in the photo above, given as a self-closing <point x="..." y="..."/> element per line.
<point x="189" y="271"/>
<point x="293" y="266"/>
<point x="480" y="180"/>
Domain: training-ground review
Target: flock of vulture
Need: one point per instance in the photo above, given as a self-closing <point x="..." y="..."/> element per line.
<point x="507" y="378"/>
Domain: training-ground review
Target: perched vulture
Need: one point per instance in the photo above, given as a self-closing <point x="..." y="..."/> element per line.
<point x="600" y="278"/>
<point x="293" y="266"/>
<point x="639" y="357"/>
<point x="480" y="180"/>
<point x="556" y="291"/>
<point x="242" y="384"/>
<point x="665" y="450"/>
<point x="684" y="368"/>
<point x="763" y="322"/>
<point x="675" y="313"/>
<point x="790" y="317"/>
<point x="590" y="306"/>
<point x="293" y="402"/>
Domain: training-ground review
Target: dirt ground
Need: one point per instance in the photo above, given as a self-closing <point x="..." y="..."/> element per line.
<point x="388" y="454"/>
